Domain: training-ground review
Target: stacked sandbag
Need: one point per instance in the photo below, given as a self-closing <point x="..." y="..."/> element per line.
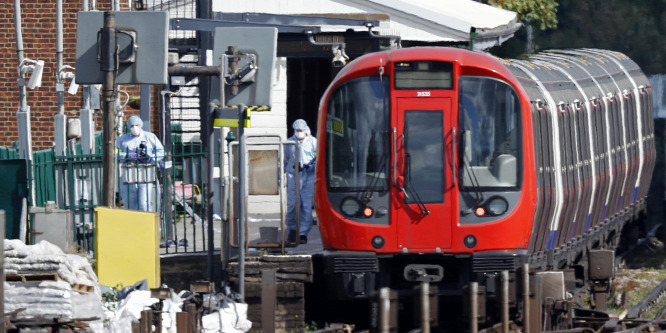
<point x="48" y="299"/>
<point x="45" y="282"/>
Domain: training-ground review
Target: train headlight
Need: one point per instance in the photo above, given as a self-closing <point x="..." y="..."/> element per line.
<point x="497" y="206"/>
<point x="367" y="212"/>
<point x="350" y="207"/>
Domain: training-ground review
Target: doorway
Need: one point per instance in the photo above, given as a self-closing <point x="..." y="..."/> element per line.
<point x="307" y="80"/>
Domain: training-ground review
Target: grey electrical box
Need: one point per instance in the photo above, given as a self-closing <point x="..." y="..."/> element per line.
<point x="53" y="225"/>
<point x="142" y="39"/>
<point x="262" y="42"/>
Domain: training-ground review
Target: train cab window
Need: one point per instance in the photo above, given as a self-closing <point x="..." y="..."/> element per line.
<point x="357" y="136"/>
<point x="489" y="135"/>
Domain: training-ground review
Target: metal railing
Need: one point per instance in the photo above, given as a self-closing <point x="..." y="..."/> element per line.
<point x="74" y="182"/>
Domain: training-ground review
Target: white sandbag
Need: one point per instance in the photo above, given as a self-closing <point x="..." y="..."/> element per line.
<point x="229" y="319"/>
<point x="130" y="308"/>
<point x="87" y="305"/>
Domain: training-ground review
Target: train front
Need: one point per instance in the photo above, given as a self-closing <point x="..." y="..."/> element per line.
<point x="424" y="172"/>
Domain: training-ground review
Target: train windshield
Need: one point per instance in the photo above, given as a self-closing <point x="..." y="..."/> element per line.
<point x="357" y="133"/>
<point x="489" y="134"/>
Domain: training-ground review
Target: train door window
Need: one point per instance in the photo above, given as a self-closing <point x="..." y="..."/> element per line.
<point x="424" y="155"/>
<point x="490" y="134"/>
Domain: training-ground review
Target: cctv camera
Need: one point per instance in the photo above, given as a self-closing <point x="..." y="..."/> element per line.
<point x="36" y="76"/>
<point x="338" y="63"/>
<point x="73" y="87"/>
<point x="339" y="57"/>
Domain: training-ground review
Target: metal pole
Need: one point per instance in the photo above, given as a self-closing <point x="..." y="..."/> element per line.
<point x="19" y="52"/>
<point x="23" y="112"/>
<point x="210" y="194"/>
<point x="25" y="138"/>
<point x="108" y="106"/>
<point x="242" y="214"/>
<point x="526" y="298"/>
<point x="505" y="301"/>
<point x="425" y="307"/>
<point x="204" y="11"/>
<point x="474" y="307"/>
<point x="384" y="310"/>
<point x="85" y="113"/>
<point x="168" y="147"/>
<point x="60" y="118"/>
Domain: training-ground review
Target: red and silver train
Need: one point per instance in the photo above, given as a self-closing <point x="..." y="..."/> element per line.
<point x="448" y="166"/>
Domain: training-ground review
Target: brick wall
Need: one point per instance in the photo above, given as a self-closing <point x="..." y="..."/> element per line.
<point x="39" y="43"/>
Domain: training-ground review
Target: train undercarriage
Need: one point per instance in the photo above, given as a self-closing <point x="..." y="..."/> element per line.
<point x="498" y="291"/>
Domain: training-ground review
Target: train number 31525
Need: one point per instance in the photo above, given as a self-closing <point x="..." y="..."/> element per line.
<point x="422" y="93"/>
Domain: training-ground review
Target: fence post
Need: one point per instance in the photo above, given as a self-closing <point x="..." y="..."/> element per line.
<point x="268" y="300"/>
<point x="146" y="323"/>
<point x="183" y="322"/>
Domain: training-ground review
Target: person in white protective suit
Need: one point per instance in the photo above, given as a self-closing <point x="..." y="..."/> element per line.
<point x="138" y="147"/>
<point x="307" y="145"/>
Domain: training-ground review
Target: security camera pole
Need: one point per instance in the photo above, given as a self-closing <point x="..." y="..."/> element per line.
<point x="23" y="113"/>
<point x="108" y="46"/>
<point x="60" y="119"/>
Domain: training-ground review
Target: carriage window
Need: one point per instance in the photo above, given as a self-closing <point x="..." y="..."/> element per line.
<point x="489" y="133"/>
<point x="357" y="136"/>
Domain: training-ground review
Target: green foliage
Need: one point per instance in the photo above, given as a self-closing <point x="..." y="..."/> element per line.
<point x="633" y="28"/>
<point x="539" y="13"/>
<point x="311" y="326"/>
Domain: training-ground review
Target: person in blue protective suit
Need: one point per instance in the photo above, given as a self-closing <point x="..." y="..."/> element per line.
<point x="307" y="148"/>
<point x="134" y="148"/>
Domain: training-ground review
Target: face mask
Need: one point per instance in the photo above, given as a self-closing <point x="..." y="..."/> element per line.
<point x="300" y="135"/>
<point x="135" y="130"/>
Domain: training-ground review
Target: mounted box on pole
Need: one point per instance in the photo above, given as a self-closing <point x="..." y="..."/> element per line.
<point x="252" y="44"/>
<point x="142" y="39"/>
<point x="119" y="48"/>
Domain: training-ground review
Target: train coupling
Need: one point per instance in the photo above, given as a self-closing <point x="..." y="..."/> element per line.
<point x="423" y="273"/>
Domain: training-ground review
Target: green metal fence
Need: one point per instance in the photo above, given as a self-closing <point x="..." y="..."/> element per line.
<point x="74" y="182"/>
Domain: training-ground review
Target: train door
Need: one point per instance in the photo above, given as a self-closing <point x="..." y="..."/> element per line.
<point x="422" y="193"/>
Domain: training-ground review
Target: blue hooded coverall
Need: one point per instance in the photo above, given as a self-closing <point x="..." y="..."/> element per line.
<point x="308" y="152"/>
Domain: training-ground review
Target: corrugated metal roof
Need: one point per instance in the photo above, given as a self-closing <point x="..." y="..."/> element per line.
<point x="414" y="20"/>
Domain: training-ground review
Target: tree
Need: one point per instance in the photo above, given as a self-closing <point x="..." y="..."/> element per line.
<point x="635" y="28"/>
<point x="533" y="13"/>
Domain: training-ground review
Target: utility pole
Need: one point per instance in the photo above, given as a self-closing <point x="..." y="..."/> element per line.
<point x="108" y="107"/>
<point x="204" y="11"/>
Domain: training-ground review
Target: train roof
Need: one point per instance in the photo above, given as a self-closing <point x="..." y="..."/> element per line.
<point x="469" y="61"/>
<point x="565" y="73"/>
